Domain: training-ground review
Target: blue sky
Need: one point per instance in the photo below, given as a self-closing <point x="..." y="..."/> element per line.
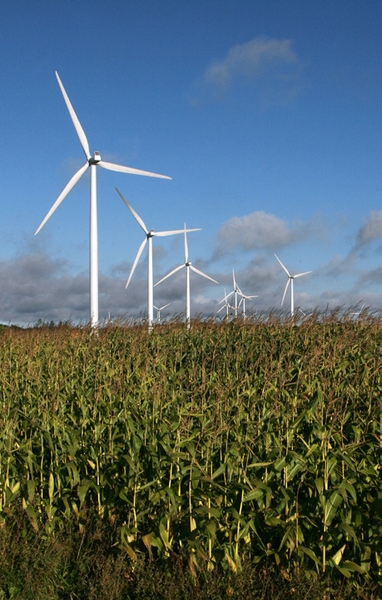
<point x="267" y="116"/>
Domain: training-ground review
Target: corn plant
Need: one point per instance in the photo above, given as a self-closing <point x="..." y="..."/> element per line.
<point x="258" y="440"/>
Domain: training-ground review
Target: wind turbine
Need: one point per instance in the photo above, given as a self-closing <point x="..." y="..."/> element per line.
<point x="237" y="292"/>
<point x="244" y="297"/>
<point x="361" y="310"/>
<point x="189" y="266"/>
<point x="148" y="238"/>
<point x="290" y="281"/>
<point x="227" y="306"/>
<point x="242" y="302"/>
<point x="159" y="311"/>
<point x="92" y="161"/>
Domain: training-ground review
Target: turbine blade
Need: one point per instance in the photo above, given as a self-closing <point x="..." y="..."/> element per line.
<point x="165" y="233"/>
<point x="77" y="125"/>
<point x="283" y="266"/>
<point x="122" y="169"/>
<point x="201" y="273"/>
<point x="249" y="297"/>
<point x="301" y="274"/>
<point x="139" y="253"/>
<point x="134" y="213"/>
<point x="226" y="297"/>
<point x="69" y="186"/>
<point x="169" y="274"/>
<point x="175" y="231"/>
<point x="285" y="291"/>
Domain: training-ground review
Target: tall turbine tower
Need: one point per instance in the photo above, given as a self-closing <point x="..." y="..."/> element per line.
<point x="92" y="161"/>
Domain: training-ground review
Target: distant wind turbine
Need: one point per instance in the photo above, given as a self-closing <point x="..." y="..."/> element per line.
<point x="188" y="266"/>
<point x="92" y="161"/>
<point x="159" y="311"/>
<point x="242" y="302"/>
<point x="237" y="292"/>
<point x="290" y="281"/>
<point x="361" y="310"/>
<point x="148" y="239"/>
<point x="226" y="305"/>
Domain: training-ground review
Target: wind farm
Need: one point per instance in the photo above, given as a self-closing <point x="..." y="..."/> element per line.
<point x="190" y="362"/>
<point x="233" y="130"/>
<point x="92" y="162"/>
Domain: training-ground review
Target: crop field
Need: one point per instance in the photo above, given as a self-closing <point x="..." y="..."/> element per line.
<point x="233" y="444"/>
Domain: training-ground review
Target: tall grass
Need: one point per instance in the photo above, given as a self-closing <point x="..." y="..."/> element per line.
<point x="227" y="443"/>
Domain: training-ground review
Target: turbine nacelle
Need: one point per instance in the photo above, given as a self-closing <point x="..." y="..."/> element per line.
<point x="95" y="159"/>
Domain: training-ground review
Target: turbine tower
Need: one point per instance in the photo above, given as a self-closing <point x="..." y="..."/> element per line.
<point x="149" y="234"/>
<point x="290" y="281"/>
<point x="92" y="161"/>
<point x="188" y="266"/>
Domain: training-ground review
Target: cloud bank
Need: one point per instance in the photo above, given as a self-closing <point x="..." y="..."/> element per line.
<point x="36" y="286"/>
<point x="372" y="228"/>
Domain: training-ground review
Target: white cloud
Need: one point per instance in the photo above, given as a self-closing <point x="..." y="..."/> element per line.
<point x="255" y="231"/>
<point x="372" y="228"/>
<point x="250" y="60"/>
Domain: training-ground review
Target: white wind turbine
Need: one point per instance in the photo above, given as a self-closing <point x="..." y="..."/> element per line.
<point x="242" y="302"/>
<point x="159" y="309"/>
<point x="237" y="292"/>
<point x="361" y="310"/>
<point x="92" y="161"/>
<point x="148" y="239"/>
<point x="226" y="305"/>
<point x="290" y="281"/>
<point x="188" y="266"/>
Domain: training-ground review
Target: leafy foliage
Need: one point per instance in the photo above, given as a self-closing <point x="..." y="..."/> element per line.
<point x="255" y="442"/>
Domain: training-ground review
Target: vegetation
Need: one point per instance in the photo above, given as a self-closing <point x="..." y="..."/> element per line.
<point x="242" y="458"/>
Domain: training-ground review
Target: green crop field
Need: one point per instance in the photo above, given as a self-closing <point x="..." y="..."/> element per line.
<point x="228" y="447"/>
